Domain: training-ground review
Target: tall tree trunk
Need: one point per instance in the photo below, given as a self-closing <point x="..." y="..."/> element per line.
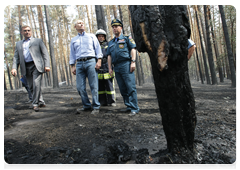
<point x="216" y="48"/>
<point x="12" y="37"/>
<point x="39" y="21"/>
<point x="138" y="70"/>
<point x="30" y="20"/>
<point x="43" y="26"/>
<point x="141" y="68"/>
<point x="89" y="21"/>
<point x="203" y="51"/>
<point x="121" y="18"/>
<point x="229" y="49"/>
<point x="51" y="48"/>
<point x="130" y="21"/>
<point x="67" y="37"/>
<point x="210" y="55"/>
<point x="20" y="20"/>
<point x="115" y="11"/>
<point x="34" y="22"/>
<point x="5" y="87"/>
<point x="109" y="21"/>
<point x="8" y="71"/>
<point x="101" y="23"/>
<point x="160" y="29"/>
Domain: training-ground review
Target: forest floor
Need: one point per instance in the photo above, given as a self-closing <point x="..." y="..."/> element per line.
<point x="58" y="135"/>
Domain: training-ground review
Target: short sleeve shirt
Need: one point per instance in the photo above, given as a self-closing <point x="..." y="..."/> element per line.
<point x="120" y="48"/>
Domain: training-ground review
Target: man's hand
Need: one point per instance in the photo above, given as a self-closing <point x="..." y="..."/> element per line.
<point x="132" y="67"/>
<point x="47" y="69"/>
<point x="110" y="72"/>
<point x="98" y="64"/>
<point x="73" y="69"/>
<point x="14" y="72"/>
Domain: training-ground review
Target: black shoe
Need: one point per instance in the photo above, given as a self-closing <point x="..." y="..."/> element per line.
<point x="83" y="109"/>
<point x="125" y="110"/>
<point x="42" y="105"/>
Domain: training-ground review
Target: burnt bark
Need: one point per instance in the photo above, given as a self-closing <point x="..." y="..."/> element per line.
<point x="166" y="29"/>
<point x="101" y="22"/>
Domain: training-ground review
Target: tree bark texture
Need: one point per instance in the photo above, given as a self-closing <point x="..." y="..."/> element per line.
<point x="202" y="47"/>
<point x="115" y="11"/>
<point x="101" y="23"/>
<point x="89" y="21"/>
<point x="20" y="20"/>
<point x="51" y="48"/>
<point x="209" y="49"/>
<point x="30" y="20"/>
<point x="166" y="29"/>
<point x="121" y="17"/>
<point x="219" y="65"/>
<point x="34" y="22"/>
<point x="229" y="49"/>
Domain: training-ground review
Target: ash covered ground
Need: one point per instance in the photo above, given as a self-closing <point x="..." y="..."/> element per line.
<point x="58" y="135"/>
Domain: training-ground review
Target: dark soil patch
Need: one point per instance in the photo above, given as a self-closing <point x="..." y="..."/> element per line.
<point x="58" y="135"/>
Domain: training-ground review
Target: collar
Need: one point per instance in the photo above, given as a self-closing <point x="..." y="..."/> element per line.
<point x="83" y="33"/>
<point x="28" y="39"/>
<point x="119" y="38"/>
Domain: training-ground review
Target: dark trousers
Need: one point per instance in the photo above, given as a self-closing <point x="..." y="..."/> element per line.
<point x="34" y="78"/>
<point x="106" y="89"/>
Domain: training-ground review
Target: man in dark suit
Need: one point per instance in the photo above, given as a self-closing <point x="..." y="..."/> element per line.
<point x="32" y="56"/>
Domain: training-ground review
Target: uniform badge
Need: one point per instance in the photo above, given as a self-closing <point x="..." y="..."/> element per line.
<point x="132" y="41"/>
<point x="121" y="45"/>
<point x="114" y="20"/>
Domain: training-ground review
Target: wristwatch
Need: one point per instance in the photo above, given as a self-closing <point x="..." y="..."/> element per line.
<point x="133" y="61"/>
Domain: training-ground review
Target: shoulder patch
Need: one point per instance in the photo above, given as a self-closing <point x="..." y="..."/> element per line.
<point x="132" y="41"/>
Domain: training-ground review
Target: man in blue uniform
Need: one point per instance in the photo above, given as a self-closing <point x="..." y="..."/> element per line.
<point x="122" y="54"/>
<point x="106" y="91"/>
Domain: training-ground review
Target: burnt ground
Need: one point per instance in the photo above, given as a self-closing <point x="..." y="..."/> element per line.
<point x="57" y="135"/>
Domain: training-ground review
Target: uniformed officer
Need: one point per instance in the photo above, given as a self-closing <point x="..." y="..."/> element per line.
<point x="106" y="91"/>
<point x="122" y="54"/>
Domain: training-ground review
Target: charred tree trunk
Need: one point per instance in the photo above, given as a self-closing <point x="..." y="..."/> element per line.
<point x="101" y="23"/>
<point x="159" y="29"/>
<point x="229" y="49"/>
<point x="209" y="49"/>
<point x="51" y="48"/>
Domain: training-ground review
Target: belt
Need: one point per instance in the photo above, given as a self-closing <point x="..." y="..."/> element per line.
<point x="29" y="63"/>
<point x="85" y="58"/>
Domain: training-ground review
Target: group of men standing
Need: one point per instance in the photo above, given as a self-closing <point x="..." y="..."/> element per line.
<point x="91" y="57"/>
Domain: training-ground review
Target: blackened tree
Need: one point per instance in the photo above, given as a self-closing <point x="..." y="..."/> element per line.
<point x="163" y="32"/>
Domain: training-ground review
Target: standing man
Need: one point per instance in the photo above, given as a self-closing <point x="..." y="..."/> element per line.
<point x="106" y="91"/>
<point x="32" y="56"/>
<point x="122" y="54"/>
<point x="85" y="49"/>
